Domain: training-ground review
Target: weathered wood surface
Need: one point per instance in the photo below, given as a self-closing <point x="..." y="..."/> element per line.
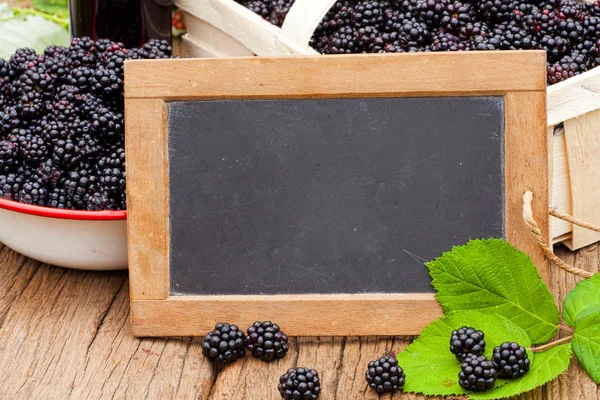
<point x="65" y="334"/>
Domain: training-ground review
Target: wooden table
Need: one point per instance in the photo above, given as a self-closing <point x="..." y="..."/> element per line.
<point x="65" y="335"/>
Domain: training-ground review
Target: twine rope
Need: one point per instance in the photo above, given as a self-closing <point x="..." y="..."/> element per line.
<point x="537" y="235"/>
<point x="569" y="218"/>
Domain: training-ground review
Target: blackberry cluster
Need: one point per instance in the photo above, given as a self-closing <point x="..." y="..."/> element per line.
<point x="225" y="344"/>
<point x="477" y="374"/>
<point x="61" y="124"/>
<point x="266" y="341"/>
<point x="384" y="375"/>
<point x="466" y="341"/>
<point x="567" y="29"/>
<point x="300" y="384"/>
<point x="512" y="360"/>
<point x="273" y="11"/>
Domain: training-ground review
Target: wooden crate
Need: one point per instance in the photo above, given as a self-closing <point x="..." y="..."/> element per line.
<point x="224" y="28"/>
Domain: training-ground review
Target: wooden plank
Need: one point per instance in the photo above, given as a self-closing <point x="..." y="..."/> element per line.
<point x="248" y="28"/>
<point x="448" y="74"/>
<point x="574" y="97"/>
<point x="527" y="156"/>
<point x="66" y="336"/>
<point x="561" y="186"/>
<point x="347" y="315"/>
<point x="147" y="197"/>
<point x="582" y="136"/>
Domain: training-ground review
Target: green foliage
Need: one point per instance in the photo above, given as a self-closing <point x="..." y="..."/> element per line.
<point x="17" y="29"/>
<point x="60" y="8"/>
<point x="430" y="367"/>
<point x="586" y="343"/>
<point x="544" y="367"/>
<point x="585" y="297"/>
<point x="493" y="277"/>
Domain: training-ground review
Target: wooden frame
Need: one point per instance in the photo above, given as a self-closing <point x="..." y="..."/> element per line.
<point x="150" y="84"/>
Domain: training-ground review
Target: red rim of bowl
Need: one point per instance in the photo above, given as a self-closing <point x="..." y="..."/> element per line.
<point x="61" y="213"/>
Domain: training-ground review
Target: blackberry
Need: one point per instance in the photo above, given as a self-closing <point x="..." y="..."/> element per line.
<point x="556" y="47"/>
<point x="65" y="153"/>
<point x="431" y="11"/>
<point x="384" y="375"/>
<point x="457" y="15"/>
<point x="477" y="374"/>
<point x="54" y="131"/>
<point x="106" y="82"/>
<point x="20" y="59"/>
<point x="266" y="341"/>
<point x="58" y="198"/>
<point x="35" y="151"/>
<point x="33" y="193"/>
<point x="300" y="384"/>
<point x="81" y="77"/>
<point x="259" y="7"/>
<point x="568" y="67"/>
<point x="571" y="30"/>
<point x="54" y="51"/>
<point x="48" y="173"/>
<point x="415" y="33"/>
<point x="370" y="14"/>
<point x="225" y="344"/>
<point x="344" y="41"/>
<point x="367" y="39"/>
<point x="447" y="42"/>
<point x="466" y="340"/>
<point x="8" y="155"/>
<point x="511" y="360"/>
<point x="10" y="186"/>
<point x="279" y="11"/>
<point x="571" y="9"/>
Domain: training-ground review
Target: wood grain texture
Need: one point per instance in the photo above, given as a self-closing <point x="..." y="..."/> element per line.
<point x="527" y="156"/>
<point x="447" y="74"/>
<point x="351" y="315"/>
<point x="147" y="197"/>
<point x="574" y="97"/>
<point x="65" y="334"/>
<point x="560" y="193"/>
<point x="582" y="135"/>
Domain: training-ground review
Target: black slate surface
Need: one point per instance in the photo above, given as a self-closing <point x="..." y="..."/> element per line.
<point x="329" y="196"/>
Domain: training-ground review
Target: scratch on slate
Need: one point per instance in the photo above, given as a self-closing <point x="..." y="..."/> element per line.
<point x="415" y="257"/>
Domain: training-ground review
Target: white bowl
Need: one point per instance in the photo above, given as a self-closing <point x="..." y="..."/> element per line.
<point x="90" y="240"/>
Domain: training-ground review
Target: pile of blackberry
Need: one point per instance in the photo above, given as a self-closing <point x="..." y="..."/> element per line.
<point x="273" y="11"/>
<point x="567" y="29"/>
<point x="61" y="124"/>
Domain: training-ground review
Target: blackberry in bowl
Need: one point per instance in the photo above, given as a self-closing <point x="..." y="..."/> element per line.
<point x="62" y="153"/>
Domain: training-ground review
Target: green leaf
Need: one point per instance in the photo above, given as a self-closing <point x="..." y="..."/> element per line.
<point x="31" y="31"/>
<point x="586" y="343"/>
<point x="544" y="367"/>
<point x="585" y="294"/>
<point x="493" y="277"/>
<point x="430" y="367"/>
<point x="58" y="8"/>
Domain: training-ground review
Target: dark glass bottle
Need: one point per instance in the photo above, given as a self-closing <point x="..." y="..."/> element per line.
<point x="132" y="22"/>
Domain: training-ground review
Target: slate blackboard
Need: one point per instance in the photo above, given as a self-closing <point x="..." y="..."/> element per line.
<point x="329" y="196"/>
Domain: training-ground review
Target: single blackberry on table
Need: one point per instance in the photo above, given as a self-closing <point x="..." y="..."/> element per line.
<point x="300" y="384"/>
<point x="511" y="360"/>
<point x="266" y="341"/>
<point x="225" y="344"/>
<point x="477" y="374"/>
<point x="384" y="375"/>
<point x="466" y="340"/>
